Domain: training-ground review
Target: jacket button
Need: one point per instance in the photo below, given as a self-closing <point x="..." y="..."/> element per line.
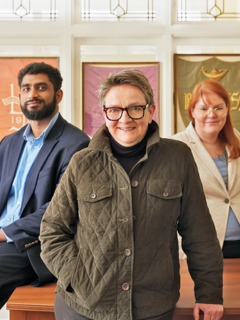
<point x="134" y="184"/>
<point x="165" y="194"/>
<point x="93" y="195"/>
<point x="128" y="252"/>
<point x="125" y="286"/>
<point x="226" y="201"/>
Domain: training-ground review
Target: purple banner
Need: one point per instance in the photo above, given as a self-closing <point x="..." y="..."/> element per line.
<point x="93" y="117"/>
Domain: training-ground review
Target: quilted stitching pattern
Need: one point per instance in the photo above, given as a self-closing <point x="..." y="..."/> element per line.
<point x="97" y="270"/>
<point x="89" y="224"/>
<point x="103" y="224"/>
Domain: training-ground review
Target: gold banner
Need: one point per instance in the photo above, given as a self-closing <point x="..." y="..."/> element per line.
<point x="190" y="73"/>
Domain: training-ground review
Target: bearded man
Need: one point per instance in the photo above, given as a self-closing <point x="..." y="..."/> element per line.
<point x="32" y="162"/>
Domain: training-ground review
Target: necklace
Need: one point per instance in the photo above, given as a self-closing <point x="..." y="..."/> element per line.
<point x="225" y="155"/>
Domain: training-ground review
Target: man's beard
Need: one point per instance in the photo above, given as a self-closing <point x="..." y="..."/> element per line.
<point x="46" y="111"/>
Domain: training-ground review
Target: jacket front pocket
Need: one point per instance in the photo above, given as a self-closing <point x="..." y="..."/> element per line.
<point x="164" y="198"/>
<point x="95" y="205"/>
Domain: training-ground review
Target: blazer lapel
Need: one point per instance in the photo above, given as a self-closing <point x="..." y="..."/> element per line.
<point x="51" y="140"/>
<point x="232" y="171"/>
<point x="14" y="155"/>
<point x="207" y="160"/>
<point x="232" y="167"/>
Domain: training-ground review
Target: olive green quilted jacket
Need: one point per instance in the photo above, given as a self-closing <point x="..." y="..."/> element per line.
<point x="110" y="266"/>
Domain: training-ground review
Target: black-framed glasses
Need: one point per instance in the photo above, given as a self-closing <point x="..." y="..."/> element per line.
<point x="135" y="113"/>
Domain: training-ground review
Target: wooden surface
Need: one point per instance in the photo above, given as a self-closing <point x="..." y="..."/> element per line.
<point x="31" y="315"/>
<point x="28" y="298"/>
<point x="30" y="303"/>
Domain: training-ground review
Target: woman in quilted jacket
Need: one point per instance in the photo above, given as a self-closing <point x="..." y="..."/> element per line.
<point x="110" y="232"/>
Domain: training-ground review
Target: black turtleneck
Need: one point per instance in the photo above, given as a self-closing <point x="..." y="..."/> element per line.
<point x="129" y="156"/>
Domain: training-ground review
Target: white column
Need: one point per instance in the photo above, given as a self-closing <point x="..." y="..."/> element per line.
<point x="67" y="63"/>
<point x="167" y="113"/>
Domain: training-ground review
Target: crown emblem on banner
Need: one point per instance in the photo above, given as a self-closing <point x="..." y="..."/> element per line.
<point x="214" y="74"/>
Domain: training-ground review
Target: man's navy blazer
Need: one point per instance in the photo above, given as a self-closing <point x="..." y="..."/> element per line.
<point x="61" y="143"/>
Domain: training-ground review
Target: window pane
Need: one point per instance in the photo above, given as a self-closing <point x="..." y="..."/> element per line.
<point x="208" y="10"/>
<point x="118" y="10"/>
<point x="28" y="10"/>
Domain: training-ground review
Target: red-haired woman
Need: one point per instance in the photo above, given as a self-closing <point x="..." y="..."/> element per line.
<point x="216" y="148"/>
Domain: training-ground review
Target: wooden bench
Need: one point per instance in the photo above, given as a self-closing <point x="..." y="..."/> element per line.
<point x="30" y="303"/>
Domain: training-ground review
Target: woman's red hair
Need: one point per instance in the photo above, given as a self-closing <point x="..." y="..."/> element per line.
<point x="227" y="134"/>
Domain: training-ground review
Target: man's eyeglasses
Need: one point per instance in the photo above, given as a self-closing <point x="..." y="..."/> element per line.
<point x="135" y="113"/>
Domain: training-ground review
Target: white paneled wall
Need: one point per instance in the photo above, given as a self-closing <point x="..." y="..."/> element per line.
<point x="74" y="42"/>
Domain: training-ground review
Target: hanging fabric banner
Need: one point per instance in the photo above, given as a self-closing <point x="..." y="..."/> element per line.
<point x="192" y="69"/>
<point x="11" y="116"/>
<point x="92" y="73"/>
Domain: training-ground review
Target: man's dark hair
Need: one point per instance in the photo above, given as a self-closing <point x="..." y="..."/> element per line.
<point x="35" y="68"/>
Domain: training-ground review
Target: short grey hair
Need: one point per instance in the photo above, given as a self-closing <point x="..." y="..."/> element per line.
<point x="127" y="76"/>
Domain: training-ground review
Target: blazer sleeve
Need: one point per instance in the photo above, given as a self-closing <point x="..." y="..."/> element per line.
<point x="199" y="239"/>
<point x="25" y="231"/>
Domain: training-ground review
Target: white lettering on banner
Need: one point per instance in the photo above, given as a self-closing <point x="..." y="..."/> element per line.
<point x="11" y="101"/>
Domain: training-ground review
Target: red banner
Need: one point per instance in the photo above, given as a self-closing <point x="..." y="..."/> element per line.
<point x="11" y="116"/>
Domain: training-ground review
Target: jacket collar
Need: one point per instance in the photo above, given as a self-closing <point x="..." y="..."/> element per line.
<point x="16" y="145"/>
<point x="50" y="142"/>
<point x="15" y="150"/>
<point x="101" y="142"/>
<point x="198" y="147"/>
<point x="154" y="138"/>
